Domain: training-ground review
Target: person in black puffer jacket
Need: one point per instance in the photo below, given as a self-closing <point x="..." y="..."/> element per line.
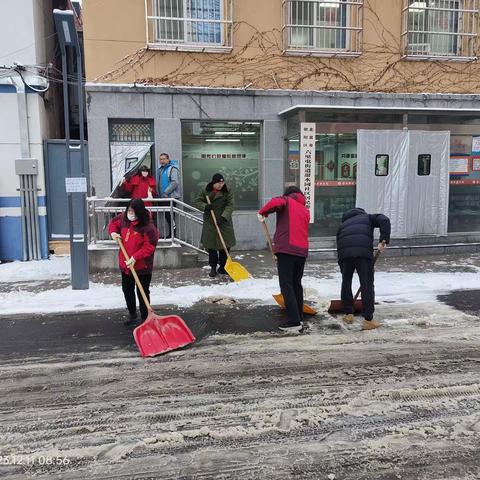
<point x="355" y="252"/>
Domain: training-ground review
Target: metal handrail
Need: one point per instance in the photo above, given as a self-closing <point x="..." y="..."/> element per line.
<point x="187" y="220"/>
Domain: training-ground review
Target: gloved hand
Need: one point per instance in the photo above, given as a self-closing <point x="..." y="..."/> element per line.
<point x="261" y="218"/>
<point x="221" y="221"/>
<point x="115" y="235"/>
<point x="130" y="262"/>
<point x="208" y="207"/>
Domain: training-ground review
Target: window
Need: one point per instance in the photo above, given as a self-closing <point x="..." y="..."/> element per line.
<point x="190" y="24"/>
<point x="229" y="148"/>
<point x="329" y="27"/>
<point x="381" y="165"/>
<point x="424" y="164"/>
<point x="439" y="28"/>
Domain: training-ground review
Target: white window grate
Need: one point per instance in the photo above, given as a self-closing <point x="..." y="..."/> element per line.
<point x="329" y="27"/>
<point x="439" y="29"/>
<point x="204" y="25"/>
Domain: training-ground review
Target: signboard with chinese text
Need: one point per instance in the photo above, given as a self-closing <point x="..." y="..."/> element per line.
<point x="307" y="165"/>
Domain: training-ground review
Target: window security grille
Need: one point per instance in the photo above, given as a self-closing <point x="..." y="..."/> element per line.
<point x="189" y="24"/>
<point x="439" y="29"/>
<point x="330" y="27"/>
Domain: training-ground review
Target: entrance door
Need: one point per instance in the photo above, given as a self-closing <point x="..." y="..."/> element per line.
<point x="404" y="175"/>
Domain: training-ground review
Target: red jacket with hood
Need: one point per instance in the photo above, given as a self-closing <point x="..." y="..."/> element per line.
<point x="139" y="242"/>
<point x="291" y="234"/>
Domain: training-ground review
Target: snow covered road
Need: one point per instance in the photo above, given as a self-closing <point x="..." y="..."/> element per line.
<point x="402" y="402"/>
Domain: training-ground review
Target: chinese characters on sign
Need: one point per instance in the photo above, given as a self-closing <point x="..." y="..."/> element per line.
<point x="307" y="165"/>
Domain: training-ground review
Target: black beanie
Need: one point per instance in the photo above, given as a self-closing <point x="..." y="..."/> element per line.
<point x="218" y="177"/>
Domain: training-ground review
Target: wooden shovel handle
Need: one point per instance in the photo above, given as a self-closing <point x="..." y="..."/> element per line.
<point x="218" y="229"/>
<point x="134" y="273"/>
<point x="377" y="254"/>
<point x="269" y="241"/>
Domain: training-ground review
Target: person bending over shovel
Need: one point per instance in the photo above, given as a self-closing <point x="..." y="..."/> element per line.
<point x="290" y="245"/>
<point x="221" y="203"/>
<point x="140" y="237"/>
<point x="355" y="252"/>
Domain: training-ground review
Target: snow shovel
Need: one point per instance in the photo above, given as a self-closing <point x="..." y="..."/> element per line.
<point x="157" y="334"/>
<point x="236" y="271"/>
<point x="278" y="296"/>
<point x="336" y="305"/>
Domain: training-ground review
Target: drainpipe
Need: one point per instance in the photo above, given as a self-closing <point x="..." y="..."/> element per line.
<point x="27" y="170"/>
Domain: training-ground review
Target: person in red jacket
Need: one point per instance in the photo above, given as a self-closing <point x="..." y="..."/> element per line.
<point x="140" y="237"/>
<point x="141" y="185"/>
<point x="290" y="245"/>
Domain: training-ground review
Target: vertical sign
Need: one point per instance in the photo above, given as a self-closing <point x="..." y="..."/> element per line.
<point x="307" y="165"/>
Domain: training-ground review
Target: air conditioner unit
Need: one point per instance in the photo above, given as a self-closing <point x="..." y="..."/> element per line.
<point x="419" y="48"/>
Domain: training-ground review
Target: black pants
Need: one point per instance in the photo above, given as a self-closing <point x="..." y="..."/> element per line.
<point x="364" y="268"/>
<point x="217" y="258"/>
<point x="172" y="226"/>
<point x="290" y="273"/>
<point x="128" y="287"/>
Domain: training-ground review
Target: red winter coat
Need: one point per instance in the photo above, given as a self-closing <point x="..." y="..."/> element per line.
<point x="291" y="234"/>
<point x="140" y="242"/>
<point x="138" y="186"/>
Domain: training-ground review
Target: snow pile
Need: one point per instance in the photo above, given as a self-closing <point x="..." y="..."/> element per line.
<point x="56" y="268"/>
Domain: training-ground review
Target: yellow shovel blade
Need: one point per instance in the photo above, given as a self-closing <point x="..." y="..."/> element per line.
<point x="236" y="271"/>
<point x="306" y="308"/>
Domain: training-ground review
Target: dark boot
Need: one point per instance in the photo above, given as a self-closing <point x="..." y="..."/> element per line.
<point x="132" y="318"/>
<point x="213" y="272"/>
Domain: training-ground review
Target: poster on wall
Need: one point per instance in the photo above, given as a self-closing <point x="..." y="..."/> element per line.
<point x="459" y="165"/>
<point x="307" y="165"/>
<point x="476" y="145"/>
<point x="476" y="164"/>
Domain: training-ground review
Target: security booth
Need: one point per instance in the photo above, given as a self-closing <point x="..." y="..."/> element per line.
<point x="420" y="167"/>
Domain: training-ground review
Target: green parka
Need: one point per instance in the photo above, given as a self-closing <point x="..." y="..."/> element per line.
<point x="222" y="203"/>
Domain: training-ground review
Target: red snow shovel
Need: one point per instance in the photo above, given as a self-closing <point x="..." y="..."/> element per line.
<point x="336" y="305"/>
<point x="278" y="296"/>
<point x="157" y="334"/>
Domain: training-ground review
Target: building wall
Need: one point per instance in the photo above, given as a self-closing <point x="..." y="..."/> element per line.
<point x="23" y="28"/>
<point x="115" y="52"/>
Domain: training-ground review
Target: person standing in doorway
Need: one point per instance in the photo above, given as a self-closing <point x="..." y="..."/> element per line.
<point x="290" y="245"/>
<point x="141" y="185"/>
<point x="140" y="237"/>
<point x="355" y="253"/>
<point x="222" y="204"/>
<point x="168" y="180"/>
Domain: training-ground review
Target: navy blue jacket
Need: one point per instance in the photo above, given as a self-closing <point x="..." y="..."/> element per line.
<point x="355" y="234"/>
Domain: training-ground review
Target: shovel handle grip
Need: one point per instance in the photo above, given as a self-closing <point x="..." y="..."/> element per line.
<point x="377" y="254"/>
<point x="218" y="228"/>
<point x="134" y="273"/>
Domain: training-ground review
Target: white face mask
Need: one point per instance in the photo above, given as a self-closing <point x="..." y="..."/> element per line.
<point x="131" y="216"/>
<point x="144" y="174"/>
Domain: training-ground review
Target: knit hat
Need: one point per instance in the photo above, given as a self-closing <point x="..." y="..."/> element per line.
<point x="218" y="177"/>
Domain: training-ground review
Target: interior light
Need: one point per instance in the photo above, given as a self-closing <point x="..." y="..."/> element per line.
<point x="418" y="6"/>
<point x="222" y="139"/>
<point x="330" y="4"/>
<point x="235" y="133"/>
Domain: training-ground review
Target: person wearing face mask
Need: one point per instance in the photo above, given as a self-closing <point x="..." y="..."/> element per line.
<point x="221" y="203"/>
<point x="141" y="185"/>
<point x="140" y="237"/>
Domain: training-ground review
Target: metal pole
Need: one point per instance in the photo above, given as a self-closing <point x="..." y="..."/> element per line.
<point x="66" y="117"/>
<point x="82" y="253"/>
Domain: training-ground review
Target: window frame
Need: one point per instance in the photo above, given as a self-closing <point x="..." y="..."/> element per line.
<point x="464" y="34"/>
<point x="350" y="27"/>
<point x="185" y="41"/>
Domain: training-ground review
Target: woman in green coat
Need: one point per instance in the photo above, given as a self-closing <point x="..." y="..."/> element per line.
<point x="221" y="199"/>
